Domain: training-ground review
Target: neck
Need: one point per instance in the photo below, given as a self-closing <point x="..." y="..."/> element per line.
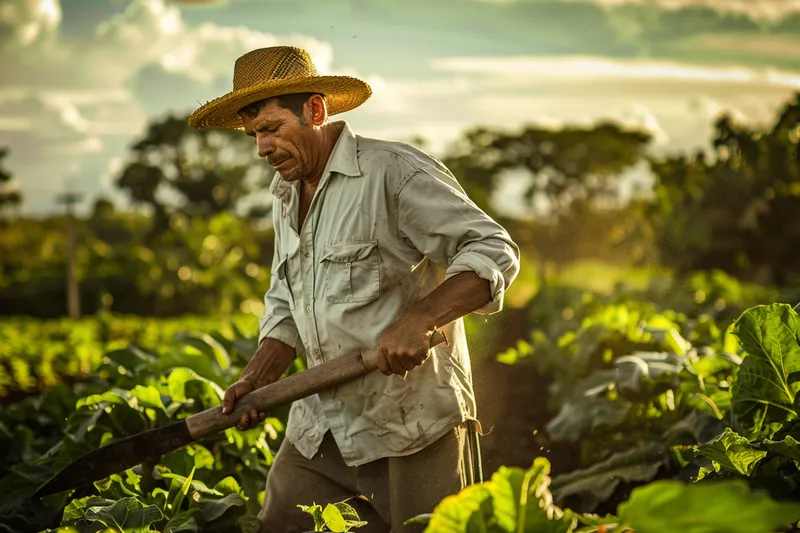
<point x="327" y="137"/>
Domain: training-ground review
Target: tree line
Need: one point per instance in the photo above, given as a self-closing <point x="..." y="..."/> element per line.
<point x="197" y="238"/>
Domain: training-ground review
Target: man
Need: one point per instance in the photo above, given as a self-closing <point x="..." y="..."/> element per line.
<point x="376" y="246"/>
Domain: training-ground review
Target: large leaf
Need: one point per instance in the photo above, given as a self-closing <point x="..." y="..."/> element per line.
<point x="127" y="514"/>
<point x="513" y="500"/>
<point x="185" y="385"/>
<point x="469" y="511"/>
<point x="209" y="346"/>
<point x="215" y="509"/>
<point x="643" y="374"/>
<point x="131" y="358"/>
<point x="732" y="451"/>
<point x="766" y="382"/>
<point x="578" y="419"/>
<point x="787" y="447"/>
<point x="597" y="483"/>
<point x="709" y="507"/>
<point x="183" y="522"/>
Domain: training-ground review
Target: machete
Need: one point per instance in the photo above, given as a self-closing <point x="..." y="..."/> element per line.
<point x="130" y="451"/>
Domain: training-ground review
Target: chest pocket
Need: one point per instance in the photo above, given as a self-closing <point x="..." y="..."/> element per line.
<point x="352" y="271"/>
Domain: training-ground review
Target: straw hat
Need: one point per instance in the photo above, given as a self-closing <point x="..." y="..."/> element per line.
<point x="275" y="71"/>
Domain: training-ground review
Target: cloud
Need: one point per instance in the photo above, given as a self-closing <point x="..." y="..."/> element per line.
<point x="25" y="23"/>
<point x="566" y="69"/>
<point x="759" y="9"/>
<point x="86" y="99"/>
<point x="676" y="102"/>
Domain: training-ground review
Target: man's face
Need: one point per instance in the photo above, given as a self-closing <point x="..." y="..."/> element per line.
<point x="286" y="141"/>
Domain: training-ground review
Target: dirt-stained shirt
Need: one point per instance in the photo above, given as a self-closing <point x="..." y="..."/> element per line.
<point x="388" y="223"/>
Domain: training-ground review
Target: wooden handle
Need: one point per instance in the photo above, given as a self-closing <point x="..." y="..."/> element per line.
<point x="311" y="381"/>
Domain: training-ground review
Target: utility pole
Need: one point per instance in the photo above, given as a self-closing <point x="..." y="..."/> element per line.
<point x="69" y="199"/>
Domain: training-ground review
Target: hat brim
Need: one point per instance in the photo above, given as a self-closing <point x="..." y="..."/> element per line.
<point x="342" y="93"/>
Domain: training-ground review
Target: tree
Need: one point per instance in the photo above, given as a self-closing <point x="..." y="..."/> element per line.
<point x="736" y="213"/>
<point x="570" y="172"/>
<point x="10" y="196"/>
<point x="177" y="169"/>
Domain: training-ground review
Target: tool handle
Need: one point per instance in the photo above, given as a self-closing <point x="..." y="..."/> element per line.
<point x="311" y="381"/>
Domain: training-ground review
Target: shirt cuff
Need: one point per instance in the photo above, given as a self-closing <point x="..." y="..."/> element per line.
<point x="486" y="269"/>
<point x="282" y="329"/>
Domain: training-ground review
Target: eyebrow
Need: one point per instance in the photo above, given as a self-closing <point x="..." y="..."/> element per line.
<point x="265" y="123"/>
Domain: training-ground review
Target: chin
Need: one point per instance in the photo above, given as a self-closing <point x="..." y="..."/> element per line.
<point x="292" y="174"/>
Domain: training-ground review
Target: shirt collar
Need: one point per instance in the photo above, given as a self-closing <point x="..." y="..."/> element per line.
<point x="343" y="160"/>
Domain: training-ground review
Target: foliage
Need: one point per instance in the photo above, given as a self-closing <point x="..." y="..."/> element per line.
<point x="37" y="355"/>
<point x="212" y="485"/>
<point x="9" y="196"/>
<point x="199" y="265"/>
<point x="210" y="171"/>
<point x="339" y="517"/>
<point x="519" y="501"/>
<point x="734" y="212"/>
<point x="648" y="394"/>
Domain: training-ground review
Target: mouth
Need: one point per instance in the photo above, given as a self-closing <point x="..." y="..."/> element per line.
<point x="280" y="164"/>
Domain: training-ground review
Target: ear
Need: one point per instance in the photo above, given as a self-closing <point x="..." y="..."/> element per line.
<point x="318" y="109"/>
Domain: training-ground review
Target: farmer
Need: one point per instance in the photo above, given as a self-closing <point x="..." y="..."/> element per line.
<point x="376" y="246"/>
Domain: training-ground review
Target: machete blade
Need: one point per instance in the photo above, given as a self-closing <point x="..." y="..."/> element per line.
<point x="116" y="457"/>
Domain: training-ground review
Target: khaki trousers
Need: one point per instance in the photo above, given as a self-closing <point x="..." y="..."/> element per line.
<point x="385" y="493"/>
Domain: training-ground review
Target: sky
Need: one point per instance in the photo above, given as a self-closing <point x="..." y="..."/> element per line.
<point x="82" y="78"/>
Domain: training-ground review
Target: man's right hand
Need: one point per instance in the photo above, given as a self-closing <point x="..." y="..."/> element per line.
<point x="271" y="360"/>
<point x="233" y="393"/>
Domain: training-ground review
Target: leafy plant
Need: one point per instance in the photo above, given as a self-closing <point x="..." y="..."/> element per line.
<point x="339" y="517"/>
<point x="519" y="501"/>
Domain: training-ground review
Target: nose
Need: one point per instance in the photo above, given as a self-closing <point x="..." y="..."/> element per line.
<point x="264" y="146"/>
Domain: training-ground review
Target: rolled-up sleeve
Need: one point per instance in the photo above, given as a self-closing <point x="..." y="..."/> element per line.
<point x="436" y="216"/>
<point x="277" y="321"/>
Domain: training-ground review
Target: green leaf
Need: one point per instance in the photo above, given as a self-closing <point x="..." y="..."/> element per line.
<point x="468" y="511"/>
<point x="209" y="346"/>
<point x="147" y="396"/>
<point x="349" y="515"/>
<point x="127" y="514"/>
<point x="513" y="500"/>
<point x="316" y="512"/>
<point x="642" y="374"/>
<point x="76" y="509"/>
<point x="333" y="519"/>
<point x="765" y="389"/>
<point x="576" y="420"/>
<point x="228" y="485"/>
<point x="216" y="509"/>
<point x="131" y="357"/>
<point x="183" y="522"/>
<point x="536" y="510"/>
<point x="185" y="385"/>
<point x="788" y="447"/>
<point x="184" y="490"/>
<point x="710" y="507"/>
<point x="733" y="452"/>
<point x="597" y="483"/>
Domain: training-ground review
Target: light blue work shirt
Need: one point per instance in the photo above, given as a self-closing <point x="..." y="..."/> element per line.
<point x="387" y="225"/>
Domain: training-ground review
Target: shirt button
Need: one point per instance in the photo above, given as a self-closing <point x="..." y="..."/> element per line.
<point x="347" y="264"/>
<point x="308" y="308"/>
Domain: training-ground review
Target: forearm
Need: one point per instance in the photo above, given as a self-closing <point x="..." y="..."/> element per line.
<point x="268" y="364"/>
<point x="453" y="299"/>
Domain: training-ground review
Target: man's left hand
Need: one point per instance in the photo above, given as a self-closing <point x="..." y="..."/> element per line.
<point x="404" y="346"/>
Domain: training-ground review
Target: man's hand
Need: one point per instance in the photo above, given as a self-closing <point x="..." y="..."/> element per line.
<point x="404" y="345"/>
<point x="266" y="366"/>
<point x="233" y="393"/>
